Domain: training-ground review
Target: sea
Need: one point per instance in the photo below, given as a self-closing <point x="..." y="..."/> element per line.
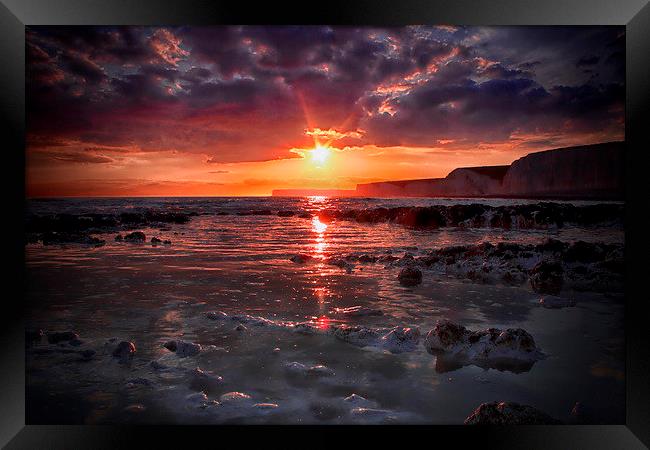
<point x="228" y="261"/>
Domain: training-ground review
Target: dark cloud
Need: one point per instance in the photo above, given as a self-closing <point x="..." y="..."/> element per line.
<point x="247" y="93"/>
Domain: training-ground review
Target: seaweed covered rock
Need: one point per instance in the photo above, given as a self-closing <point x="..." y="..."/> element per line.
<point x="136" y="236"/>
<point x="301" y="258"/>
<point x="183" y="348"/>
<point x="484" y="347"/>
<point x="124" y="351"/>
<point x="547" y="277"/>
<point x="410" y="276"/>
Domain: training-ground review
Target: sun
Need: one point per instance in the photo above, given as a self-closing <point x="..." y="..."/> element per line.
<point x="320" y="154"/>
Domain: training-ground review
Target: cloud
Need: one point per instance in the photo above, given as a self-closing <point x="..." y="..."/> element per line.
<point x="253" y="93"/>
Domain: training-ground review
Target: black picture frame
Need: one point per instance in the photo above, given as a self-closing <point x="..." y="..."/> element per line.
<point x="634" y="14"/>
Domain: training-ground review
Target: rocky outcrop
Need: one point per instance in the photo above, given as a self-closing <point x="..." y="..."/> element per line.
<point x="410" y="276"/>
<point x="183" y="348"/>
<point x="136" y="236"/>
<point x="485" y="348"/>
<point x="547" y="277"/>
<point x="541" y="215"/>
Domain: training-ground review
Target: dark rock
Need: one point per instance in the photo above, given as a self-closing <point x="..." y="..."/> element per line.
<point x="119" y="238"/>
<point x="57" y="238"/>
<point x="155" y="241"/>
<point x="301" y="258"/>
<point x="203" y="381"/>
<point x="54" y="337"/>
<point x="286" y="213"/>
<point x="410" y="276"/>
<point x="124" y="350"/>
<point x="136" y="236"/>
<point x="547" y="277"/>
<point x="508" y="413"/>
<point x="167" y="242"/>
<point x="512" y="349"/>
<point x="367" y="259"/>
<point x="183" y="348"/>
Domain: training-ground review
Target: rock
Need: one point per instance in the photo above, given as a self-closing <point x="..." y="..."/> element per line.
<point x="276" y="350"/>
<point x="296" y="368"/>
<point x="167" y="242"/>
<point x="137" y="408"/>
<point x="265" y="406"/>
<point x="483" y="348"/>
<point x="199" y="400"/>
<point x="124" y="351"/>
<point x="410" y="276"/>
<point x="72" y="237"/>
<point x="357" y="401"/>
<point x="75" y="342"/>
<point x="553" y="302"/>
<point x="320" y="371"/>
<point x="217" y="315"/>
<point x="155" y="241"/>
<point x="286" y="213"/>
<point x="204" y="381"/>
<point x="301" y="258"/>
<point x="234" y="398"/>
<point x="306" y="328"/>
<point x="158" y="366"/>
<point x="508" y="413"/>
<point x="341" y="263"/>
<point x="54" y="337"/>
<point x="357" y="335"/>
<point x="367" y="259"/>
<point x="547" y="277"/>
<point x="183" y="348"/>
<point x="136" y="236"/>
<point x="358" y="311"/>
<point x="119" y="238"/>
<point x="240" y="327"/>
<point x="401" y="339"/>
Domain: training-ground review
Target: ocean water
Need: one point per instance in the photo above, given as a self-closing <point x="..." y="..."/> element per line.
<point x="240" y="264"/>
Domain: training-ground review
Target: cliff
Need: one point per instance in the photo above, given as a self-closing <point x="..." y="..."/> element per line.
<point x="428" y="187"/>
<point x="589" y="171"/>
<point x="461" y="182"/>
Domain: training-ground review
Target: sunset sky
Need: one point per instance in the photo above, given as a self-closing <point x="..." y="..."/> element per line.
<point x="239" y="110"/>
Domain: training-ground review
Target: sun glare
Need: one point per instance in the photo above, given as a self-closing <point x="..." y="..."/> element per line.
<point x="320" y="154"/>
